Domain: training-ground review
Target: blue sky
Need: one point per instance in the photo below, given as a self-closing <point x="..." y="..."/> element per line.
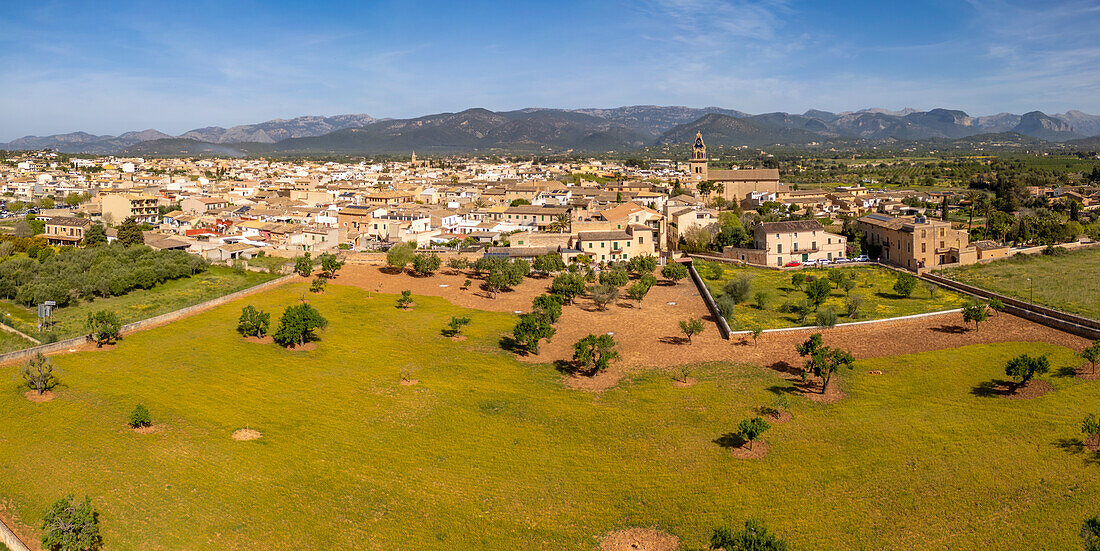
<point x="109" y="67"/>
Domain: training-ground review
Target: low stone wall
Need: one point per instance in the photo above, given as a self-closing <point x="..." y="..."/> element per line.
<point x="10" y="539"/>
<point x="61" y="346"/>
<point x="723" y="325"/>
<point x="1063" y="321"/>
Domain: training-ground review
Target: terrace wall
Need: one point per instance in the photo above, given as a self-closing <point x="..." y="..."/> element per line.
<point x="723" y="325"/>
<point x="10" y="539"/>
<point x="61" y="346"/>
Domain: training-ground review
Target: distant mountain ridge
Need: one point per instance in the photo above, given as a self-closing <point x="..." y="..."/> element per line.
<point x="557" y="130"/>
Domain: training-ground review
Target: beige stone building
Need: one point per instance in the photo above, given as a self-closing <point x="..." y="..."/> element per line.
<point x="778" y="243"/>
<point x="917" y="242"/>
<point x="117" y="207"/>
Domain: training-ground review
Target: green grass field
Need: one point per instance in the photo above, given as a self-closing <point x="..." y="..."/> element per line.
<point x="1067" y="283"/>
<point x="490" y="453"/>
<point x="139" y="304"/>
<point x="874" y="284"/>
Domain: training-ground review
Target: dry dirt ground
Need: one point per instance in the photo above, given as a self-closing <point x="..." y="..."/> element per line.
<point x="650" y="337"/>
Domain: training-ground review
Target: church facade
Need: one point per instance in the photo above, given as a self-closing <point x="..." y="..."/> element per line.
<point x="736" y="184"/>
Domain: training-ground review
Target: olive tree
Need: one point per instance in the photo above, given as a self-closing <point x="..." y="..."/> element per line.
<point x="38" y="373"/>
<point x="637" y="291"/>
<point x="253" y="322"/>
<point x="603" y="294"/>
<point x="1092" y="354"/>
<point x="530" y="330"/>
<point x="691" y="327"/>
<point x="303" y="265"/>
<point x="426" y="264"/>
<point x="823" y="361"/>
<point x="674" y="271"/>
<point x="103" y="327"/>
<point x="297" y="325"/>
<point x="595" y="352"/>
<point x="454" y="327"/>
<point x="568" y="285"/>
<point x="69" y="525"/>
<point x="817" y="291"/>
<point x="400" y="255"/>
<point x="976" y="312"/>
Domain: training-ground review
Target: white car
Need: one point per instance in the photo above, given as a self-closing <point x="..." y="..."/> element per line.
<point x="809" y="263"/>
<point x="824" y="262"/>
<point x="863" y="258"/>
<point x="841" y="260"/>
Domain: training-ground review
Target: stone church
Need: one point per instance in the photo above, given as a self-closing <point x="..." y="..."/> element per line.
<point x="736" y="184"/>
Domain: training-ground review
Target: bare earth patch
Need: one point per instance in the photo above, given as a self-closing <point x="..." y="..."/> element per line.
<point x="37" y="398"/>
<point x="246" y="434"/>
<point x="1086" y="372"/>
<point x="1033" y="389"/>
<point x="1093" y="447"/>
<point x="151" y="429"/>
<point x="759" y="449"/>
<point x="25" y="534"/>
<point x="410" y="382"/>
<point x="780" y="417"/>
<point x="260" y="340"/>
<point x="458" y="338"/>
<point x="874" y="372"/>
<point x="599" y="382"/>
<point x="640" y="539"/>
<point x="686" y="383"/>
<point x="303" y="347"/>
<point x="811" y="390"/>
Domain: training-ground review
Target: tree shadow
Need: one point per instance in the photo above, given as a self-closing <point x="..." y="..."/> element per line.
<point x="1075" y="446"/>
<point x="730" y="440"/>
<point x="995" y="387"/>
<point x="780" y="390"/>
<point x="892" y="296"/>
<point x="509" y="344"/>
<point x="1066" y="371"/>
<point x="783" y="366"/>
<point x="566" y="367"/>
<point x="950" y="329"/>
<point x="673" y="340"/>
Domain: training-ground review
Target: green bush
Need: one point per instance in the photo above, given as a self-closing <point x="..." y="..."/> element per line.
<point x="140" y="417"/>
<point x="71" y="526"/>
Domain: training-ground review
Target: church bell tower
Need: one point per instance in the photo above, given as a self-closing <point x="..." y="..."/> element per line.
<point x="698" y="163"/>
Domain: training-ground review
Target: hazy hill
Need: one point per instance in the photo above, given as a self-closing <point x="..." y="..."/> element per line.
<point x="726" y="130"/>
<point x="556" y="130"/>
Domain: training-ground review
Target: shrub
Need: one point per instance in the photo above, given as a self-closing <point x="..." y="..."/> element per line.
<point x="739" y="289"/>
<point x="1023" y="368"/>
<point x="1052" y="250"/>
<point x="826" y="317"/>
<point x="853" y="304"/>
<point x="318" y="284"/>
<point x="615" y="277"/>
<point x="303" y="265"/>
<point x="454" y="327"/>
<point x="996" y="304"/>
<point x="760" y="300"/>
<point x="71" y="526"/>
<point x="253" y="322"/>
<point x="817" y="291"/>
<point x="140" y="417"/>
<point x="905" y="284"/>
<point x="547" y="307"/>
<point x="568" y="285"/>
<point x="400" y="255"/>
<point x="405" y="299"/>
<point x="726" y="306"/>
<point x="754" y="537"/>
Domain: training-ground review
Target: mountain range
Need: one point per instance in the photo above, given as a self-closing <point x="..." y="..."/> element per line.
<point x="539" y="130"/>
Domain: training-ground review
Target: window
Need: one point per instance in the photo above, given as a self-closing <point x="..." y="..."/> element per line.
<point x="922" y="245"/>
<point x="813" y="246"/>
<point x="602" y="243"/>
<point x="779" y="248"/>
<point x="779" y="261"/>
<point x="641" y="239"/>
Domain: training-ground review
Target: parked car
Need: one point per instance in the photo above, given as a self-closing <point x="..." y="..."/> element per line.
<point x="863" y="258"/>
<point x="792" y="264"/>
<point x="824" y="262"/>
<point x="842" y="260"/>
<point x="809" y="263"/>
